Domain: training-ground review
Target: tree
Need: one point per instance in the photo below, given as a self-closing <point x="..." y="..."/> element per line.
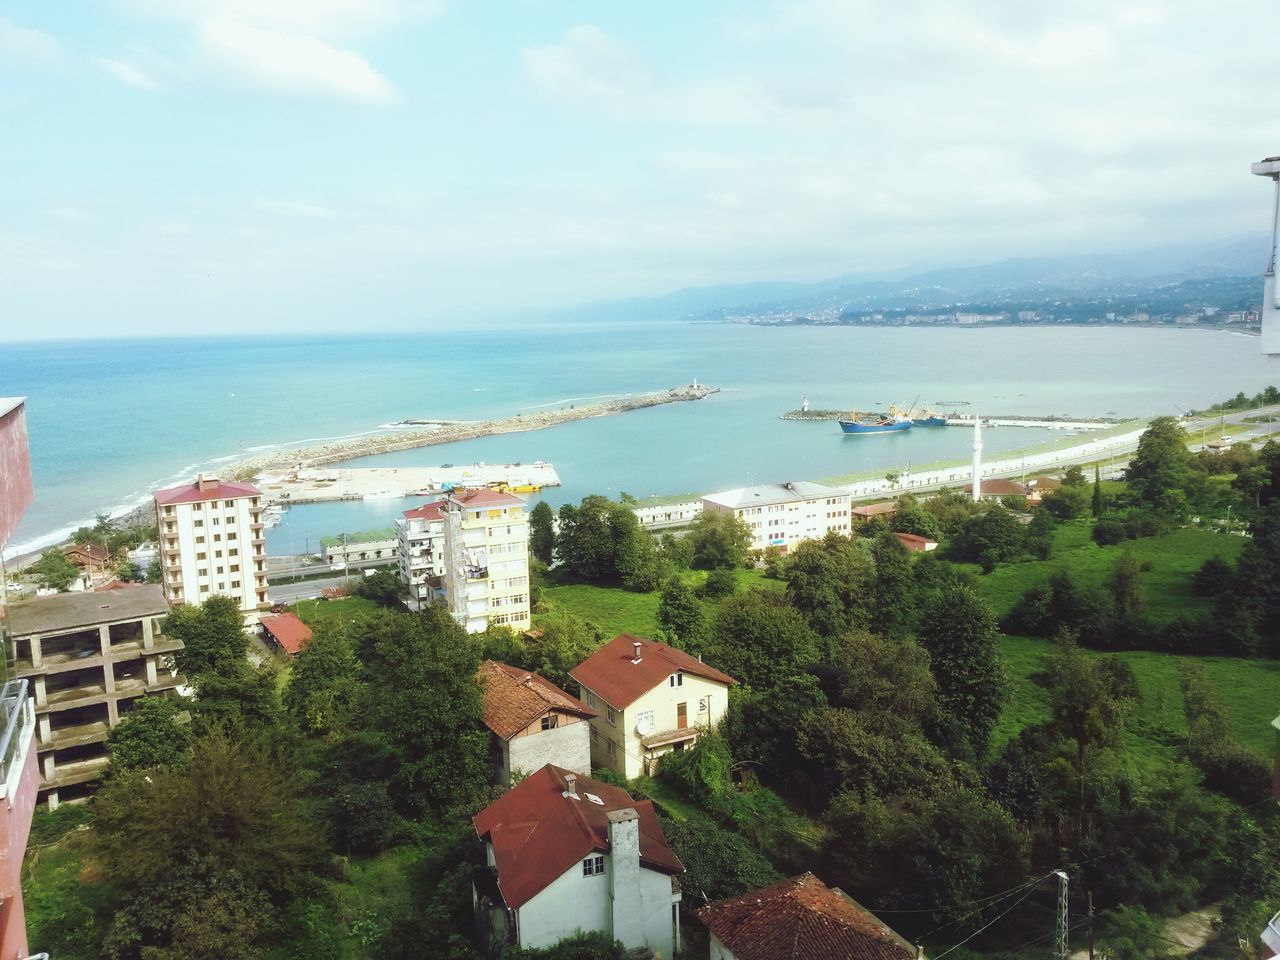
<point x="1067" y="502"/>
<point x="383" y="587"/>
<point x="997" y="533"/>
<point x="758" y="639"/>
<point x="1097" y="504"/>
<point x="959" y="631"/>
<point x="1133" y="934"/>
<point x="680" y="615"/>
<point x="893" y="608"/>
<point x="602" y="542"/>
<point x="129" y="572"/>
<point x="718" y="863"/>
<point x="325" y="684"/>
<point x="719" y="584"/>
<point x="719" y="540"/>
<point x="593" y="945"/>
<point x="1160" y="468"/>
<point x="542" y="534"/>
<point x="1074" y="477"/>
<point x="1255" y="593"/>
<point x="155" y="572"/>
<point x="55" y="570"/>
<point x="563" y="642"/>
<point x="205" y="847"/>
<point x="423" y="696"/>
<point x="149" y="735"/>
<point x="829" y="583"/>
<point x="1126" y="585"/>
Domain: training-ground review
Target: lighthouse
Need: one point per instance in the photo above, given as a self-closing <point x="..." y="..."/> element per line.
<point x="977" y="458"/>
<point x="1270" y="168"/>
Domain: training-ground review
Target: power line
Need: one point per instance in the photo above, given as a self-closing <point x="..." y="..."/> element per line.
<point x="989" y="923"/>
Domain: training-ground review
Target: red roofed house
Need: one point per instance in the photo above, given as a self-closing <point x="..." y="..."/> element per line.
<point x="916" y="544"/>
<point x="533" y="722"/>
<point x="566" y="854"/>
<point x="993" y="488"/>
<point x="289" y="633"/>
<point x="91" y="556"/>
<point x="212" y="542"/>
<point x="652" y="699"/>
<point x="799" y="919"/>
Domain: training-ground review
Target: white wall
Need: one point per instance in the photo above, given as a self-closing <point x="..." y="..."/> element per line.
<point x="655" y="902"/>
<point x="570" y="903"/>
<point x="719" y="951"/>
<point x="568" y="746"/>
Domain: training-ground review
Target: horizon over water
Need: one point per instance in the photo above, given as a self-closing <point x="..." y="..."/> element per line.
<point x="111" y="420"/>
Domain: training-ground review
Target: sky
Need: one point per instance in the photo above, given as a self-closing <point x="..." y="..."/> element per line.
<point x="230" y="166"/>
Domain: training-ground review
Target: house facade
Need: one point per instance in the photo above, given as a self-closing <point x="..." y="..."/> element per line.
<point x="566" y="853"/>
<point x="212" y="542"/>
<point x="420" y="554"/>
<point x="532" y="723"/>
<point x="800" y="919"/>
<point x="783" y="515"/>
<point x="650" y="699"/>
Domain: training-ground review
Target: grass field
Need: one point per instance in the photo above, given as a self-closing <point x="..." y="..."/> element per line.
<point x="617" y="611"/>
<point x="1249" y="689"/>
<point x="1173" y="559"/>
<point x="316" y="612"/>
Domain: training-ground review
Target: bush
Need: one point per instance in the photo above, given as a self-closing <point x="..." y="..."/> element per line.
<point x="1213" y="578"/>
<point x="581" y="946"/>
<point x="717" y="862"/>
<point x="1108" y="533"/>
<point x="720" y="583"/>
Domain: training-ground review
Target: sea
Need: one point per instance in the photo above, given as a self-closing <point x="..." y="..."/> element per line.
<point x="111" y="420"/>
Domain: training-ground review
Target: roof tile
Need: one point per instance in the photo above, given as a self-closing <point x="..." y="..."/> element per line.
<point x="515" y="698"/>
<point x="613" y="674"/>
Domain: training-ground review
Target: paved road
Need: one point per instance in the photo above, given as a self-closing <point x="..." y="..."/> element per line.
<point x="292" y="592"/>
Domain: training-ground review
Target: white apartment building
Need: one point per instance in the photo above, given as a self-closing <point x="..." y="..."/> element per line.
<point x="420" y="553"/>
<point x="212" y="542"/>
<point x="785" y="514"/>
<point x="472" y="550"/>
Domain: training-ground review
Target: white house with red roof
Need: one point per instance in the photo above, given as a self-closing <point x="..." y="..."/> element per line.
<point x="532" y="723"/>
<point x="567" y="853"/>
<point x="471" y="550"/>
<point x="799" y="919"/>
<point x="651" y="699"/>
<point x="212" y="542"/>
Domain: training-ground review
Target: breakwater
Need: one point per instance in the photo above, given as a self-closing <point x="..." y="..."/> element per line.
<point x="450" y="432"/>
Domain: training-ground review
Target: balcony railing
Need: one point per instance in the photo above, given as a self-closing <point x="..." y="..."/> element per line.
<point x="19" y="716"/>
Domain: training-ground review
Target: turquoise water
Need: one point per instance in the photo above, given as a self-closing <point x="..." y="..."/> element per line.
<point x="111" y="420"/>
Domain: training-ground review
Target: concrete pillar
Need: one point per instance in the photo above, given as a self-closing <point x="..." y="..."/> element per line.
<point x="37" y="651"/>
<point x="624" y="877"/>
<point x="52" y="800"/>
<point x="45" y="728"/>
<point x="113" y="712"/>
<point x="148" y="635"/>
<point x="150" y="665"/>
<point x="108" y="676"/>
<point x="50" y="766"/>
<point x="104" y="639"/>
<point x="42" y="696"/>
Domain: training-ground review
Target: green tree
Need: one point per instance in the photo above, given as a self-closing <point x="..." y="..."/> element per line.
<point x="1074" y="477"/>
<point x="910" y="517"/>
<point x="719" y="540"/>
<point x="152" y="734"/>
<point x="1067" y="502"/>
<point x="207" y="846"/>
<point x="593" y="945"/>
<point x="1130" y="933"/>
<point x="542" y="534"/>
<point x="829" y="582"/>
<point x="958" y="630"/>
<point x="718" y="863"/>
<point x="760" y="640"/>
<point x="383" y="587"/>
<point x="561" y="642"/>
<point x="760" y="726"/>
<point x="155" y="572"/>
<point x="1160" y="468"/>
<point x="680" y="615"/>
<point x="893" y="607"/>
<point x="719" y="584"/>
<point x="423" y="696"/>
<point x="1097" y="504"/>
<point x="326" y="684"/>
<point x="1126" y="585"/>
<point x="55" y="570"/>
<point x="129" y="572"/>
<point x="997" y="533"/>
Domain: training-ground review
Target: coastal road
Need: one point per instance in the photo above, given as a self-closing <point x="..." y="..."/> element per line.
<point x="307" y="589"/>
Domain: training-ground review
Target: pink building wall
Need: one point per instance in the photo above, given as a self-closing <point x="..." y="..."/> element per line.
<point x="15" y="826"/>
<point x="16" y="491"/>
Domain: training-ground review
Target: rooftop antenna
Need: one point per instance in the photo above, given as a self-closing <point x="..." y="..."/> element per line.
<point x="1270" y="167"/>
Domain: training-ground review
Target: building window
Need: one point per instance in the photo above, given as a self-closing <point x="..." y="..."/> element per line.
<point x="217" y="537"/>
<point x="219" y="569"/>
<point x="550" y="721"/>
<point x="198" y="523"/>
<point x="676" y="680"/>
<point x="610" y="715"/>
<point x="199" y="539"/>
<point x="235" y="584"/>
<point x="202" y="556"/>
<point x="235" y="568"/>
<point x="216" y="521"/>
<point x="228" y="503"/>
<point x="593" y="867"/>
<point x="231" y="536"/>
<point x="613" y="749"/>
<point x="591" y="700"/>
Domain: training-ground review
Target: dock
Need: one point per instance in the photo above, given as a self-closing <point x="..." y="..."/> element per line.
<point x="328" y="484"/>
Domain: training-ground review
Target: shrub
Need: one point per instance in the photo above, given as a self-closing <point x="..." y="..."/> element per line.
<point x="720" y="583"/>
<point x="1213" y="578"/>
<point x="1108" y="533"/>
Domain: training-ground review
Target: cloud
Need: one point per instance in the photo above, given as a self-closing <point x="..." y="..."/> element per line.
<point x="586" y="63"/>
<point x="293" y="209"/>
<point x="329" y="19"/>
<point x="129" y="74"/>
<point x="259" y="59"/>
<point x="31" y="47"/>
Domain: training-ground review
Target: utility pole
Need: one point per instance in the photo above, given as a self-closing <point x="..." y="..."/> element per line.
<point x="1060" y="941"/>
<point x="1089" y="900"/>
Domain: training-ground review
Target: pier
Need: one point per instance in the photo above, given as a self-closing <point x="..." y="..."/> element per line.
<point x="327" y="484"/>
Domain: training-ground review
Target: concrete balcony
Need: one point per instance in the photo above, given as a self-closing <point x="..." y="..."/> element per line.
<point x="89" y="694"/>
<point x="78" y="771"/>
<point x="92" y="657"/>
<point x="75" y="736"/>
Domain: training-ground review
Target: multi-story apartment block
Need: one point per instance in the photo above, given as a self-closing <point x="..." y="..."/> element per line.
<point x="470" y="549"/>
<point x="88" y="656"/>
<point x="784" y="514"/>
<point x="650" y="699"/>
<point x="420" y="553"/>
<point x="212" y="542"/>
<point x="19" y="775"/>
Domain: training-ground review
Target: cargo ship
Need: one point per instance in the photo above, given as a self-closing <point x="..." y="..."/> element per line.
<point x="929" y="418"/>
<point x="861" y="423"/>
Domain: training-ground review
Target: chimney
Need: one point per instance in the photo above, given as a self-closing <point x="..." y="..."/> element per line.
<point x="205" y="482"/>
<point x="624" y="877"/>
<point x="699" y="658"/>
<point x="571" y="785"/>
<point x="919" y="951"/>
<point x="636" y="658"/>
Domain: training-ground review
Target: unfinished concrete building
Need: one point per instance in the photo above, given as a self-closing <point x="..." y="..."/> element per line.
<point x="88" y="657"/>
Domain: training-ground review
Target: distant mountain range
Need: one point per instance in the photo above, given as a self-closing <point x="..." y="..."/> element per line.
<point x="1128" y="274"/>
